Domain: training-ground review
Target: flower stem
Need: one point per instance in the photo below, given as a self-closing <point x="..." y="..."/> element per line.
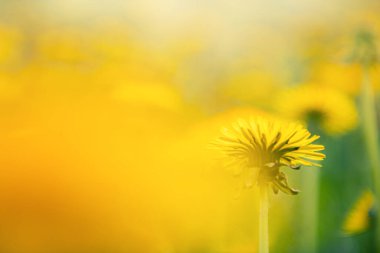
<point x="371" y="138"/>
<point x="309" y="199"/>
<point x="263" y="233"/>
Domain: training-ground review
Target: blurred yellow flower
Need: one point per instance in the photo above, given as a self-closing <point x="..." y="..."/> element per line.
<point x="10" y="88"/>
<point x="64" y="45"/>
<point x="330" y="109"/>
<point x="261" y="146"/>
<point x="149" y="94"/>
<point x="250" y="87"/>
<point x="345" y="77"/>
<point x="10" y="43"/>
<point x="114" y="43"/>
<point x="358" y="219"/>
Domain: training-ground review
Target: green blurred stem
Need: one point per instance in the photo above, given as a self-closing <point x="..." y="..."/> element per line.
<point x="309" y="210"/>
<point x="263" y="233"/>
<point x="371" y="138"/>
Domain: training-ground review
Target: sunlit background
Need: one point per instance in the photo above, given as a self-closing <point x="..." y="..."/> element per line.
<point x="108" y="109"/>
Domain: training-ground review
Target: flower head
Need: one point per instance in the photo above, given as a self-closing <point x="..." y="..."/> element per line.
<point x="331" y="110"/>
<point x="263" y="146"/>
<point x="346" y="78"/>
<point x="358" y="219"/>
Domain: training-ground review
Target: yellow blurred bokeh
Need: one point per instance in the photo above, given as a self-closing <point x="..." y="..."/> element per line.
<point x="107" y="111"/>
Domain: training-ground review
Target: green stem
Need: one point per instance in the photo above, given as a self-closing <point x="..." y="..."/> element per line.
<point x="309" y="210"/>
<point x="371" y="138"/>
<point x="263" y="233"/>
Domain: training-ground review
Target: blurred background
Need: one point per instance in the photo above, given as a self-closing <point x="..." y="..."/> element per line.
<point x="107" y="110"/>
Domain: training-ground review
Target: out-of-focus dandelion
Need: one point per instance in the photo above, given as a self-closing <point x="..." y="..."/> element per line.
<point x="250" y="87"/>
<point x="155" y="95"/>
<point x="262" y="146"/>
<point x="10" y="44"/>
<point x="331" y="110"/>
<point x="63" y="46"/>
<point x="359" y="218"/>
<point x="345" y="77"/>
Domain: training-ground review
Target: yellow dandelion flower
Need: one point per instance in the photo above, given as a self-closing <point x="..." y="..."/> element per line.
<point x="330" y="109"/>
<point x="67" y="46"/>
<point x="155" y="95"/>
<point x="250" y="87"/>
<point x="263" y="146"/>
<point x="358" y="219"/>
<point x="346" y="78"/>
<point x="10" y="43"/>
